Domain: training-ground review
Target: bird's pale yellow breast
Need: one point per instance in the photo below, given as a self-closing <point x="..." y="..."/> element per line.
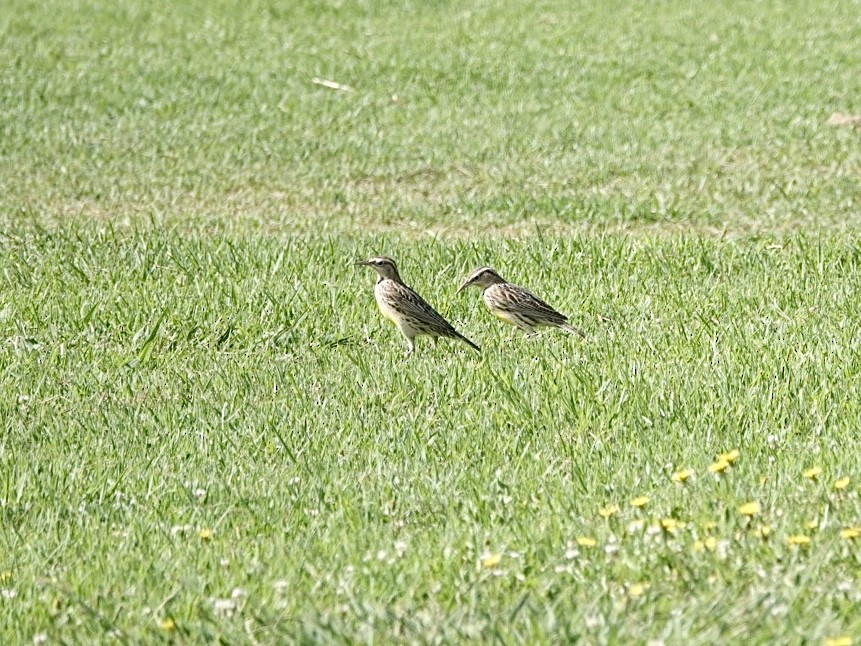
<point x="387" y="310"/>
<point x="502" y="315"/>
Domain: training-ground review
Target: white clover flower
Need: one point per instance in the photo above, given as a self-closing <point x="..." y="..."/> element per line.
<point x="224" y="607"/>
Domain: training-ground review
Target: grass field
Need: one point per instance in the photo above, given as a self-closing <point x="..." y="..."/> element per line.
<point x="211" y="435"/>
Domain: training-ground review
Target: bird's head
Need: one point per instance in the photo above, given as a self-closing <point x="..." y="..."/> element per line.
<point x="383" y="265"/>
<point x="483" y="277"/>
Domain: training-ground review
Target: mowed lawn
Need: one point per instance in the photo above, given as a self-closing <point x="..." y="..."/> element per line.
<point x="209" y="432"/>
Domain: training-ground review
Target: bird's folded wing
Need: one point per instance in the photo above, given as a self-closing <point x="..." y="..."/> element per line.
<point x="416" y="307"/>
<point x="527" y="302"/>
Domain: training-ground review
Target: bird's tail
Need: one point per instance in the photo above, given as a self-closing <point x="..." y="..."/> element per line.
<point x="572" y="330"/>
<point x="458" y="335"/>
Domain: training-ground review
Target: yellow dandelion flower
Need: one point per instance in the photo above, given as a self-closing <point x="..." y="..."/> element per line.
<point x="841" y="484"/>
<point x="586" y="541"/>
<point x="729" y="456"/>
<point x="843" y="640"/>
<point x="637" y="589"/>
<point x="699" y="546"/>
<point x="711" y="543"/>
<point x="640" y="501"/>
<point x="812" y="524"/>
<point x="720" y="466"/>
<point x="682" y="476"/>
<point x="750" y="509"/>
<point x="812" y="473"/>
<point x="5" y="575"/>
<point x="850" y="533"/>
<point x="491" y="560"/>
<point x="167" y="624"/>
<point x="709" y="525"/>
<point x="205" y="534"/>
<point x="609" y="510"/>
<point x="763" y="532"/>
<point x="799" y="540"/>
<point x="671" y="525"/>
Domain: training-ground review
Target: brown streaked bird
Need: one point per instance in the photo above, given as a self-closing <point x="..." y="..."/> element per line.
<point x="406" y="309"/>
<point x="515" y="305"/>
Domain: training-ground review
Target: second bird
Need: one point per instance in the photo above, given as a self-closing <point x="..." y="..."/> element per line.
<point x="514" y="304"/>
<point x="406" y="309"/>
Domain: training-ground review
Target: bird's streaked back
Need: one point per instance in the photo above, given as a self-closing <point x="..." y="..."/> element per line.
<point x="514" y="304"/>
<point x="405" y="308"/>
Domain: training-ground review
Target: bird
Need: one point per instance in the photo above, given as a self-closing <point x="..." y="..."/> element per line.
<point x="406" y="309"/>
<point x="515" y="305"/>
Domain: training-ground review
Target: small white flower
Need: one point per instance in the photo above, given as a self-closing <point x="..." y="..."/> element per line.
<point x="635" y="527"/>
<point x="199" y="493"/>
<point x="780" y="610"/>
<point x="224" y="562"/>
<point x="224" y="607"/>
<point x="381" y="555"/>
<point x="594" y="621"/>
<point x="280" y="586"/>
<point x="8" y="593"/>
<point x="237" y="593"/>
<point x="180" y="529"/>
<point x="40" y="638"/>
<point x="572" y="553"/>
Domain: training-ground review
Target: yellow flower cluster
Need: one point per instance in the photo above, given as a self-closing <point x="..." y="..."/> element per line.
<point x="749" y="511"/>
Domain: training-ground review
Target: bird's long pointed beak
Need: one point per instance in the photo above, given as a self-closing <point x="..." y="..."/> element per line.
<point x="462" y="287"/>
<point x="360" y="263"/>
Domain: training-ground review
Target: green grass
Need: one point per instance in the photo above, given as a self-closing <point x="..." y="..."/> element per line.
<point x="199" y="396"/>
<point x="565" y="114"/>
